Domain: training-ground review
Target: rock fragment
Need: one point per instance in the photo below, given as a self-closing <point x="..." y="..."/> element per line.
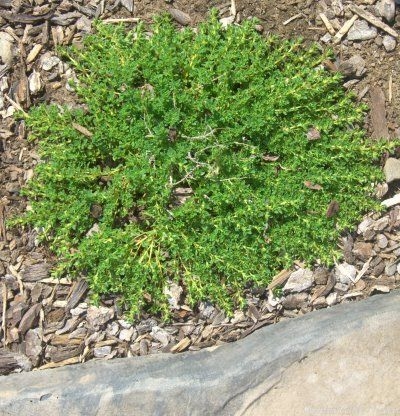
<point x="299" y="281"/>
<point x="320" y="303"/>
<point x="112" y="329"/>
<point x="392" y="169"/>
<point x="173" y="293"/>
<point x="381" y="241"/>
<point x="35" y="82"/>
<point x="332" y="299"/>
<point x="391" y="268"/>
<point x="33" y="345"/>
<point x="101" y="352"/>
<point x="341" y="288"/>
<point x="361" y="31"/>
<point x="295" y="300"/>
<point x="160" y="335"/>
<point x="49" y="61"/>
<point x="389" y="43"/>
<point x="126" y="334"/>
<point x="353" y="67"/>
<point x="387" y="9"/>
<point x="98" y="316"/>
<point x="6" y="48"/>
<point x="345" y="273"/>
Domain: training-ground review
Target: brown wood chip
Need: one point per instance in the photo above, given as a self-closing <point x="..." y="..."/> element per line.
<point x="313" y="186"/>
<point x="333" y="209"/>
<point x="182" y="345"/>
<point x="78" y="291"/>
<point x="181" y="17"/>
<point x="256" y="326"/>
<point x="11" y="361"/>
<point x="35" y="272"/>
<point x="64" y="352"/>
<point x="269" y="158"/>
<point x="64" y="339"/>
<point x="69" y="361"/>
<point x="30" y="319"/>
<point x="253" y="313"/>
<point x="279" y="279"/>
<point x="378" y="114"/>
<point x="82" y="130"/>
<point x="2" y="223"/>
<point x="26" y="18"/>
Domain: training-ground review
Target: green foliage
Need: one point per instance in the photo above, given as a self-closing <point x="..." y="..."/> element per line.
<point x="206" y="110"/>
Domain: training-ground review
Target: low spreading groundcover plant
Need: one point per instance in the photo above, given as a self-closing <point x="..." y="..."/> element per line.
<point x="212" y="158"/>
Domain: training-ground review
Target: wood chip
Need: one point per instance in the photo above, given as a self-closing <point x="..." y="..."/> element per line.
<point x="4" y="315"/>
<point x="2" y="223"/>
<point x="344" y="29"/>
<point x="26" y="18"/>
<point x="270" y="158"/>
<point x="82" y="130"/>
<point x="30" y="319"/>
<point x="232" y="8"/>
<point x="122" y="20"/>
<point x="11" y="362"/>
<point x="181" y="17"/>
<point x="69" y="361"/>
<point x="354" y="294"/>
<point x="378" y="114"/>
<point x="33" y="53"/>
<point x="253" y="313"/>
<point x="53" y="281"/>
<point x="128" y="4"/>
<point x="60" y="304"/>
<point x="390" y="202"/>
<point x="364" y="269"/>
<point x="313" y="134"/>
<point x="379" y="289"/>
<point x="258" y="325"/>
<point x="369" y="17"/>
<point x="296" y="16"/>
<point x="327" y="24"/>
<point x="280" y="279"/>
<point x="313" y="186"/>
<point x="35" y="272"/>
<point x="64" y="339"/>
<point x="182" y="345"/>
<point x="333" y="209"/>
<point x="78" y="291"/>
<point x="64" y="352"/>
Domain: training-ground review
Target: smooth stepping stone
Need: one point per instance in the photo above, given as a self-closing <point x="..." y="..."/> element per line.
<point x="344" y="357"/>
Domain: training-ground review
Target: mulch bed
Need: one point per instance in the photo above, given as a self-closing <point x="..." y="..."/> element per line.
<point x="47" y="323"/>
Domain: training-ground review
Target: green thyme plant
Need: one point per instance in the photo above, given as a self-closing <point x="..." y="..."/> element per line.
<point x="206" y="157"/>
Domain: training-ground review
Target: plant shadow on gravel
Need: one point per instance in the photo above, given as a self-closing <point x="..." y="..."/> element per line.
<point x="212" y="158"/>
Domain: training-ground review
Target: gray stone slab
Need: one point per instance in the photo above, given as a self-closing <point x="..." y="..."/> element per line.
<point x="228" y="380"/>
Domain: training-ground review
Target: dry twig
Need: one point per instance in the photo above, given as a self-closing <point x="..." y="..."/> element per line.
<point x="2" y="223"/>
<point x="4" y="320"/>
<point x="344" y="29"/>
<point x="373" y="20"/>
<point x="296" y="16"/>
<point x="124" y="20"/>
